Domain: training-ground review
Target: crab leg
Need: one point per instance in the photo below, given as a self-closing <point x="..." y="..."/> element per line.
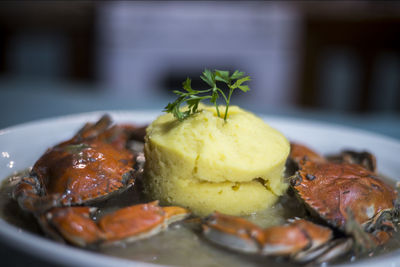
<point x="364" y="159"/>
<point x="326" y="252"/>
<point x="301" y="240"/>
<point x="27" y="194"/>
<point x="299" y="235"/>
<point x="124" y="225"/>
<point x="90" y="130"/>
<point x="233" y="232"/>
<point x="73" y="224"/>
<point x="139" y="221"/>
<point x="299" y="153"/>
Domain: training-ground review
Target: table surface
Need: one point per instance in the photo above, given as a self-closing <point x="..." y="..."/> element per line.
<point x="22" y="102"/>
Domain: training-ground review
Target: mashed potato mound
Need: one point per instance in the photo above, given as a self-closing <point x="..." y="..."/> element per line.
<point x="206" y="164"/>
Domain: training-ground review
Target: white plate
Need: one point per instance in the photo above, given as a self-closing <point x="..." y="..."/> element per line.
<point x="21" y="145"/>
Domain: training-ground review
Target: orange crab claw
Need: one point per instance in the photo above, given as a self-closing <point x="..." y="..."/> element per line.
<point x="363" y="158"/>
<point x="140" y="221"/>
<point x="174" y="214"/>
<point x="72" y="224"/>
<point x="284" y="240"/>
<point x="29" y="199"/>
<point x="295" y="237"/>
<point x="317" y="234"/>
<point x="239" y="234"/>
<point x="299" y="153"/>
<point x="124" y="225"/>
<point x="133" y="222"/>
<point x="25" y="192"/>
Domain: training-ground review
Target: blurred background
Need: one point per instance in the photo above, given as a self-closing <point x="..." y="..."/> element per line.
<point x="329" y="61"/>
<point x="336" y="62"/>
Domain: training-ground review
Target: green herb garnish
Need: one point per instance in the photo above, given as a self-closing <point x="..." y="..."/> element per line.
<point x="193" y="97"/>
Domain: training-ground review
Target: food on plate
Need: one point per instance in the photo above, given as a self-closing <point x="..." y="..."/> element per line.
<point x="94" y="165"/>
<point x="347" y="196"/>
<point x="209" y="160"/>
<point x="206" y="164"/>
<point x="205" y="159"/>
<point x="91" y="165"/>
<point x="326" y="186"/>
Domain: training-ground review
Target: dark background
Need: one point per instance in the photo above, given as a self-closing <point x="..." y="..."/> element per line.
<point x="339" y="56"/>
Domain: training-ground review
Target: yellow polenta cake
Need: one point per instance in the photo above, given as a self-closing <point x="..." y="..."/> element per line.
<point x="206" y="164"/>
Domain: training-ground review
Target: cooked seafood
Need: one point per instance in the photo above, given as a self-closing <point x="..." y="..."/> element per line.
<point x="350" y="207"/>
<point x="92" y="166"/>
<point x="344" y="193"/>
<point x="346" y="196"/>
<point x="128" y="224"/>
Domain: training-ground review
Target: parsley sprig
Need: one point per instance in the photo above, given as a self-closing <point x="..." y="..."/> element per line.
<point x="193" y="97"/>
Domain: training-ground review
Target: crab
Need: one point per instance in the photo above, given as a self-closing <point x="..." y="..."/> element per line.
<point x="343" y="193"/>
<point x="125" y="225"/>
<point x="349" y="205"/>
<point x="92" y="166"/>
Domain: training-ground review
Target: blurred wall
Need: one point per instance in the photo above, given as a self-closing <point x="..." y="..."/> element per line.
<point x="148" y="48"/>
<point x="338" y="56"/>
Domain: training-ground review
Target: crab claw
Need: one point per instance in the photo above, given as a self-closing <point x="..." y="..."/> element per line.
<point x="74" y="224"/>
<point x="294" y="237"/>
<point x="124" y="225"/>
<point x="90" y="130"/>
<point x="28" y="195"/>
<point x="300" y="239"/>
<point x="299" y="153"/>
<point x="363" y="158"/>
<point x="233" y="232"/>
<point x="139" y="221"/>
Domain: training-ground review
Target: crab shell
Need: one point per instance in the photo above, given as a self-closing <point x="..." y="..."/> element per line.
<point x="331" y="190"/>
<point x="92" y="165"/>
<point x="84" y="171"/>
<point x="86" y="168"/>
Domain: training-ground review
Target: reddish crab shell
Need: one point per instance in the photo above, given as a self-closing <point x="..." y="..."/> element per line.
<point x="93" y="165"/>
<point x="346" y="194"/>
<point x="90" y="166"/>
<point x="331" y="189"/>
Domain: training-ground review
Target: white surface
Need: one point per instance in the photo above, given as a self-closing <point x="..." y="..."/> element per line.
<point x="21" y="145"/>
